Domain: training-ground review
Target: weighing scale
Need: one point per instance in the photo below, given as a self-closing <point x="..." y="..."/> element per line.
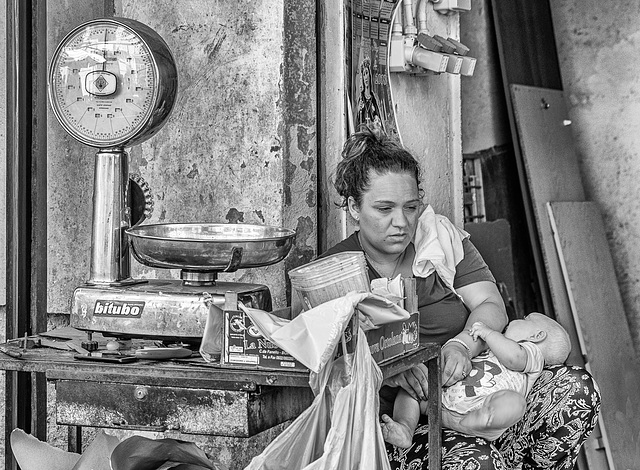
<point x="113" y="84"/>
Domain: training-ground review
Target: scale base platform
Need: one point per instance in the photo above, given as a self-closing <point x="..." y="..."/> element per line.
<point x="165" y="310"/>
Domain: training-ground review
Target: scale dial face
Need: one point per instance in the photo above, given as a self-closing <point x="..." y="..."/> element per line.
<point x="112" y="82"/>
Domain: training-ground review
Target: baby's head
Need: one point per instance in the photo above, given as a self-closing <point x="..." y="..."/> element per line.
<point x="552" y="339"/>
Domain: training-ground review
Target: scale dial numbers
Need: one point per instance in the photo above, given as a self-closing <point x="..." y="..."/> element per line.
<point x="104" y="82"/>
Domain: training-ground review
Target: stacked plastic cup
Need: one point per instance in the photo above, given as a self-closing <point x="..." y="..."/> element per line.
<point x="331" y="277"/>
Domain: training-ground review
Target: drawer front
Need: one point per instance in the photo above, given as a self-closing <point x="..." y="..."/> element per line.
<point x="187" y="410"/>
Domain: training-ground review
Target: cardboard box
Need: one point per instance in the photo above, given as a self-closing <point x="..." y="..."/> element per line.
<point x="394" y="339"/>
<point x="244" y="346"/>
<point x="390" y="340"/>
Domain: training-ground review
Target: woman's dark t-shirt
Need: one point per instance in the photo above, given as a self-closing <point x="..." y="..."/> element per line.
<point x="442" y="313"/>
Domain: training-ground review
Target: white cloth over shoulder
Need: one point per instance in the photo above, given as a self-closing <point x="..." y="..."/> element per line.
<point x="438" y="245"/>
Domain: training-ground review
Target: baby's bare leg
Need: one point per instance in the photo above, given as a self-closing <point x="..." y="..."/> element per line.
<point x="499" y="411"/>
<point x="406" y="413"/>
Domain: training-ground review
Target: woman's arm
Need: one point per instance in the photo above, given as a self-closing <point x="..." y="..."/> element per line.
<point x="484" y="301"/>
<point x="486" y="305"/>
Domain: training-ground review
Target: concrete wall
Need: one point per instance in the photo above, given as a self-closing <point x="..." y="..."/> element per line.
<point x="599" y="51"/>
<point x="428" y="112"/>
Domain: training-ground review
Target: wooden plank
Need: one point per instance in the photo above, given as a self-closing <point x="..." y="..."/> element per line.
<point x="193" y="372"/>
<point x="399" y="364"/>
<point x="526" y="47"/>
<point x="434" y="413"/>
<point x="552" y="173"/>
<point x="597" y="308"/>
<point x="524" y="30"/>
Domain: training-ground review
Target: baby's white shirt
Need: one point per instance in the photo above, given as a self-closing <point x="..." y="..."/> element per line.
<point x="488" y="375"/>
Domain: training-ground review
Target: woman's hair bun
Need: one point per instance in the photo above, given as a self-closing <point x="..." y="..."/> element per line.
<point x="374" y="131"/>
<point x="368" y="135"/>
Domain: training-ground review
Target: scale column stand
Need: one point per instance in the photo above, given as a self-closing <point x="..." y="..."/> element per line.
<point x="110" y="261"/>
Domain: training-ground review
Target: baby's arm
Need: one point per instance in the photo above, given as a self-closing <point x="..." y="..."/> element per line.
<point x="508" y="352"/>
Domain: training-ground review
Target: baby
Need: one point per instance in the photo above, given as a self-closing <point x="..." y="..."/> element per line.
<point x="492" y="397"/>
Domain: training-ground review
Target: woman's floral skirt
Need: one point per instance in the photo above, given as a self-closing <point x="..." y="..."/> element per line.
<point x="562" y="410"/>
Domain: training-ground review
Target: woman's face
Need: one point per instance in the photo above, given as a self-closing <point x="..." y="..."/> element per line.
<point x="388" y="214"/>
<point x="366" y="77"/>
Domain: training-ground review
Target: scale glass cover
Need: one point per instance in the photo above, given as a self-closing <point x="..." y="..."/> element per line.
<point x="112" y="82"/>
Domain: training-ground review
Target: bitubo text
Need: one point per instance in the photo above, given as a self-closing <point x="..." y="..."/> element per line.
<point x="117" y="309"/>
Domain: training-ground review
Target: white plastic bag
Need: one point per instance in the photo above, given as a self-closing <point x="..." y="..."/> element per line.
<point x="312" y="336"/>
<point x="340" y="430"/>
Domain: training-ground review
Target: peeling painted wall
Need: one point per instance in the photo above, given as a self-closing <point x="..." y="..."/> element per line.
<point x="599" y="50"/>
<point x="298" y="91"/>
<point x="240" y="145"/>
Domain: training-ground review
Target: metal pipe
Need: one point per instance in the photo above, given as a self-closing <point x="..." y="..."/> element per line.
<point x="422" y="16"/>
<point x="409" y="23"/>
<point x="396" y="28"/>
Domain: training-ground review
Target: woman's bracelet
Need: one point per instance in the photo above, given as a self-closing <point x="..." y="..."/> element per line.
<point x="459" y="341"/>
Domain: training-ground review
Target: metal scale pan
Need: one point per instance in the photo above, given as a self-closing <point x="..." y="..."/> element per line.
<point x="200" y="251"/>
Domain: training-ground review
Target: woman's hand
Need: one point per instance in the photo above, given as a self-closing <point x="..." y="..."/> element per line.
<point x="456" y="363"/>
<point x="413" y="381"/>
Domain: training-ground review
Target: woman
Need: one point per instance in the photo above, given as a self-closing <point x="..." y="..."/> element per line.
<point x="379" y="184"/>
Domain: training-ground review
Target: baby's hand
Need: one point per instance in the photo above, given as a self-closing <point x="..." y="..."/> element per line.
<point x="479" y="330"/>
